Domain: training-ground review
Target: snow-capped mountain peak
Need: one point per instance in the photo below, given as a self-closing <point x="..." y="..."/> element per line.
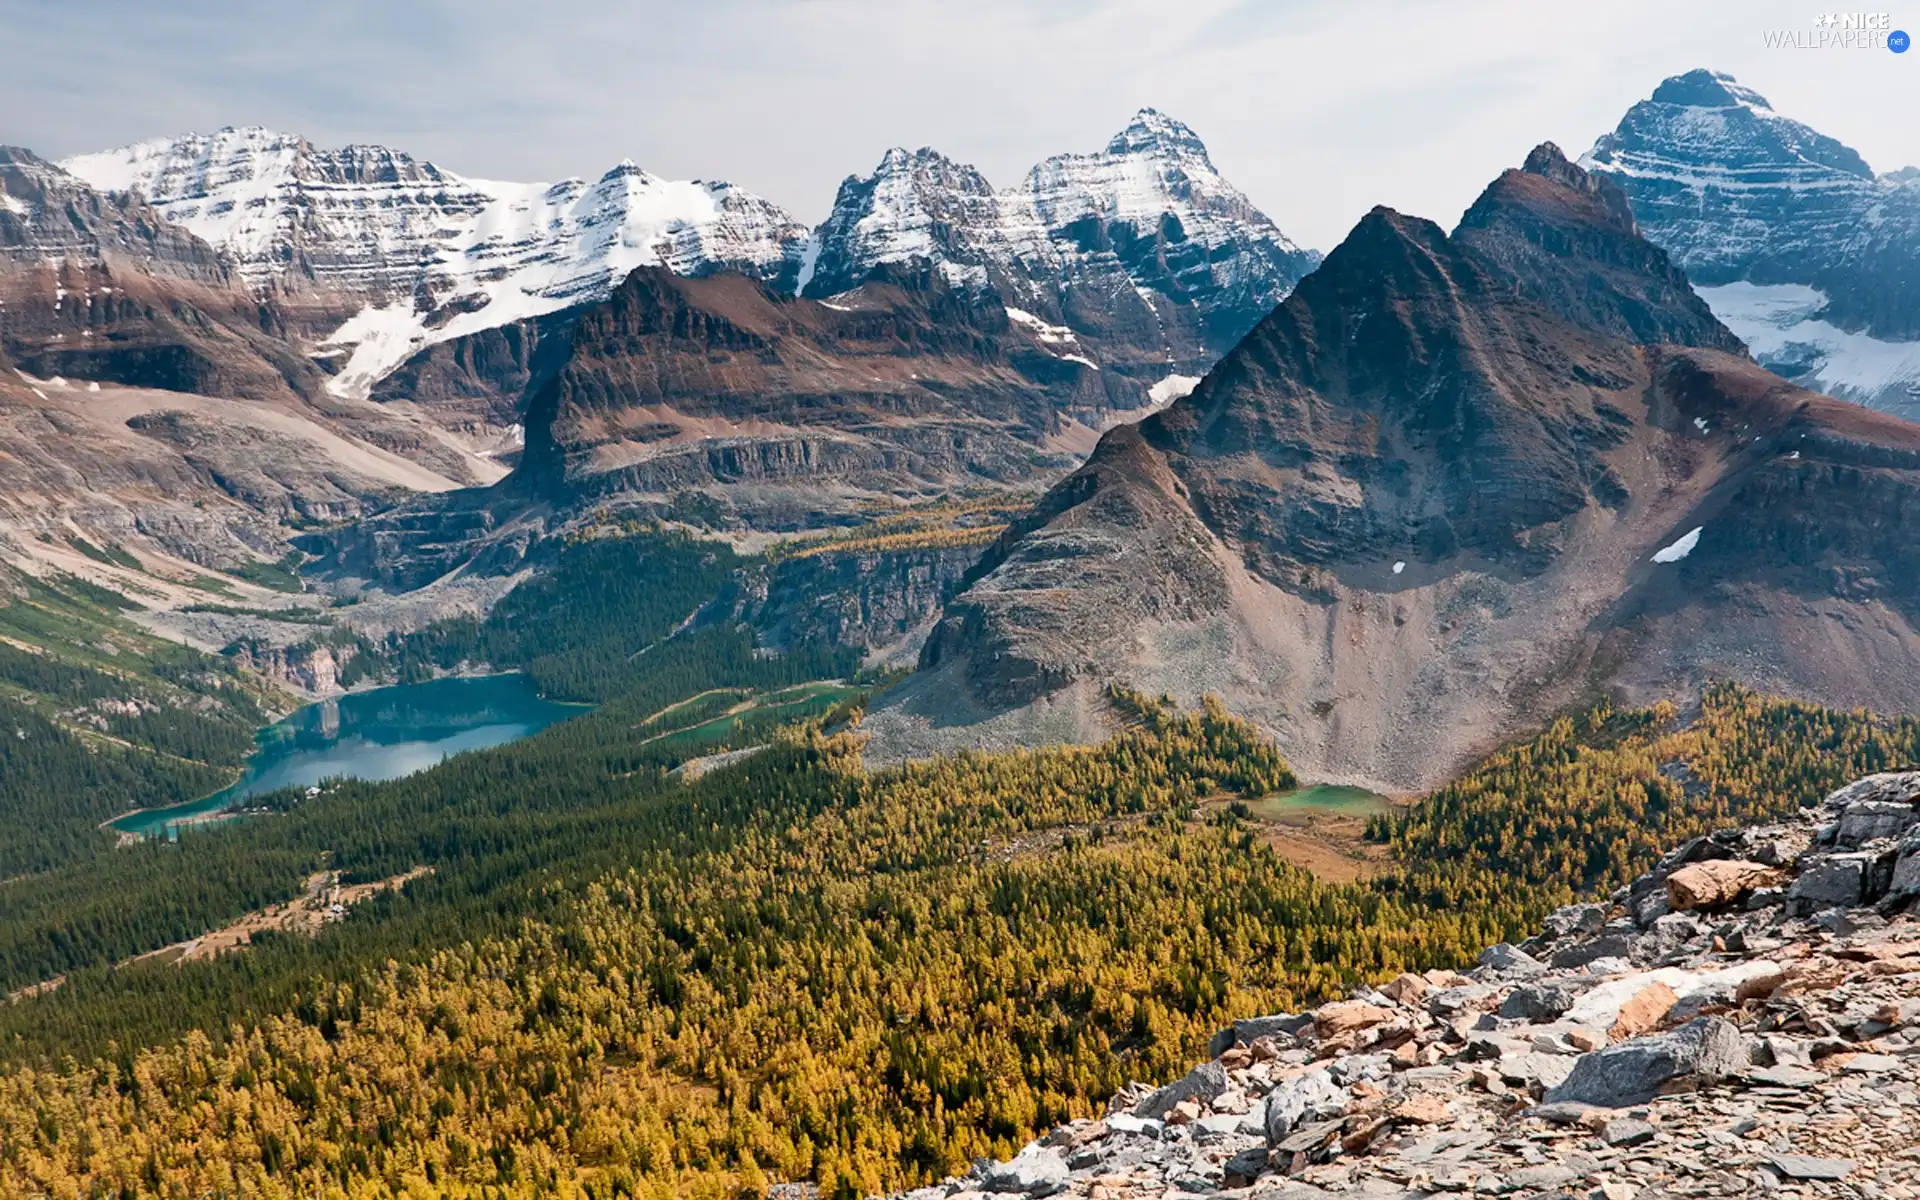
<point x="1173" y="262"/>
<point x="1716" y="125"/>
<point x="1152" y="131"/>
<point x="419" y="255"/>
<point x="1784" y="230"/>
<point x="1142" y="248"/>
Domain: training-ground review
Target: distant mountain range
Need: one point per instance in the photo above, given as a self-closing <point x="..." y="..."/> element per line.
<point x="1145" y="258"/>
<point x="1431" y="488"/>
<point x="1142" y="250"/>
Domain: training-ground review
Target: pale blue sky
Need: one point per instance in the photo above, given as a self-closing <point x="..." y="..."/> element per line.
<point x="1318" y="109"/>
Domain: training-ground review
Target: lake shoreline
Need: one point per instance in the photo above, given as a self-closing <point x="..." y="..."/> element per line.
<point x="373" y="733"/>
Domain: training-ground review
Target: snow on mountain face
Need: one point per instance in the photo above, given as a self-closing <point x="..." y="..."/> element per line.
<point x="427" y="256"/>
<point x="536" y="250"/>
<point x="49" y="217"/>
<point x="1727" y="186"/>
<point x="1142" y="246"/>
<point x="1800" y="248"/>
<point x="1781" y="324"/>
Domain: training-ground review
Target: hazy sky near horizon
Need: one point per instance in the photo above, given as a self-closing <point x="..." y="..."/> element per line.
<point x="1318" y="109"/>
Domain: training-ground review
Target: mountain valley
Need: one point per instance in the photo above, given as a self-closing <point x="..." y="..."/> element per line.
<point x="992" y="649"/>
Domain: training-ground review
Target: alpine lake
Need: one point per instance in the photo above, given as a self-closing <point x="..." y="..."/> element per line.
<point x="380" y="734"/>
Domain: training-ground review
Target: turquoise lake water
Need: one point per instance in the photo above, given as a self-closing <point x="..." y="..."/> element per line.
<point x="381" y="734"/>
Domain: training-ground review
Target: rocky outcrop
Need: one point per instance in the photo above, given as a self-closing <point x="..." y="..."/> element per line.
<point x="883" y="601"/>
<point x="1784" y="1054"/>
<point x="1453" y="483"/>
<point x="313" y="669"/>
<point x="1800" y="248"/>
<point x="1140" y="255"/>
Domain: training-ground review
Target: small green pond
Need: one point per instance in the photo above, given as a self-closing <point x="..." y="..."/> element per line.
<point x="1321" y="798"/>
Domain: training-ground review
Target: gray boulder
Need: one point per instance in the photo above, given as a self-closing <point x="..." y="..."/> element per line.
<point x="1636" y="1071"/>
<point x="1203" y="1083"/>
<point x="1302" y="1100"/>
<point x="1612" y="945"/>
<point x="1245" y="1033"/>
<point x="1508" y="959"/>
<point x="1547" y="1000"/>
<point x="1650" y="908"/>
<point x="1906" y="868"/>
<point x="1870" y="820"/>
<point x="1830" y="881"/>
<point x="1037" y="1171"/>
<point x="1575" y="918"/>
<point x="1900" y="786"/>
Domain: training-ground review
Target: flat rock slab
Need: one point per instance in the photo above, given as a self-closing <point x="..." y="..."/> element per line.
<point x="1871" y="1064"/>
<point x="1786" y="1076"/>
<point x="1626" y="1131"/>
<point x="1804" y="1166"/>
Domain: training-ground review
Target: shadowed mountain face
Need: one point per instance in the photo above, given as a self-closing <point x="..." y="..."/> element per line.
<point x="679" y="382"/>
<point x="1448" y="486"/>
<point x="722" y="402"/>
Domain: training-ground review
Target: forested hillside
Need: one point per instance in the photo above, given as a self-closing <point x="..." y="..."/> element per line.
<point x="793" y="968"/>
<point x="607" y="624"/>
<point x="97" y="717"/>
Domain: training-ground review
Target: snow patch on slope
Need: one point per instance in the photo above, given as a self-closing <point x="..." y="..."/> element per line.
<point x="1680" y="548"/>
<point x="1172" y="388"/>
<point x="1053" y="335"/>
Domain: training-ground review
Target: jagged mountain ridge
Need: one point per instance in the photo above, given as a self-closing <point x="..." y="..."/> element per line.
<point x="1788" y="233"/>
<point x="1142" y="249"/>
<point x="394" y="255"/>
<point x="1451" y="484"/>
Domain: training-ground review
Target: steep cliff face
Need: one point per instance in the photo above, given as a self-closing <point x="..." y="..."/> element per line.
<point x="102" y="287"/>
<point x="314" y="670"/>
<point x="884" y="602"/>
<point x="1800" y="248"/>
<point x="1141" y="253"/>
<point x="1452" y="483"/>
<point x="904" y="385"/>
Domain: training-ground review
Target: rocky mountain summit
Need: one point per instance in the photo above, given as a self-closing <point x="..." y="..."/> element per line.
<point x="1453" y="483"/>
<point x="1742" y="1020"/>
<point x="1791" y="237"/>
<point x="1141" y="251"/>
